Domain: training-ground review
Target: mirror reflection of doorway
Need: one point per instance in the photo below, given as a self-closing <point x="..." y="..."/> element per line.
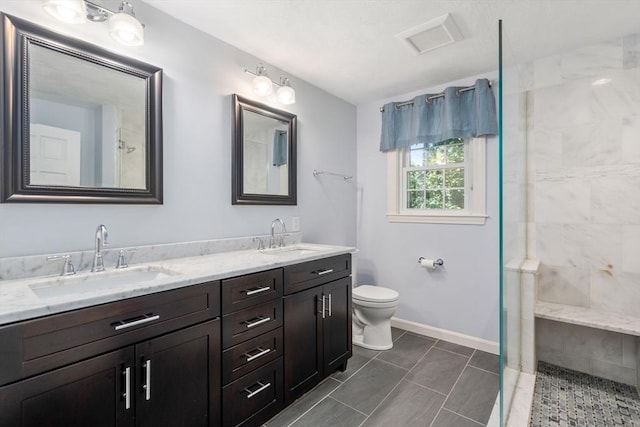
<point x="54" y="156"/>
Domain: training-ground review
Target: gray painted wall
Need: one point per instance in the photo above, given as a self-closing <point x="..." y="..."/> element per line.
<point x="200" y="74"/>
<point x="463" y="296"/>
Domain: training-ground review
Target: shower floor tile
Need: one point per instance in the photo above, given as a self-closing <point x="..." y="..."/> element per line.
<point x="563" y="397"/>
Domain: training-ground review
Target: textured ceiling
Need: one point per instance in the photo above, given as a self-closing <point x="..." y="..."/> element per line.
<point x="349" y="48"/>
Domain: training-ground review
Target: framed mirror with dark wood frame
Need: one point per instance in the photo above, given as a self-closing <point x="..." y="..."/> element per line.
<point x="81" y="124"/>
<point x="264" y="162"/>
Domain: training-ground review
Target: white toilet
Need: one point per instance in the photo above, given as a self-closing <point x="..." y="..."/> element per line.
<point x="373" y="307"/>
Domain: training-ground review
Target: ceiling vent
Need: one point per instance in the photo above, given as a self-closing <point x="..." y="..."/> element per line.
<point x="431" y="35"/>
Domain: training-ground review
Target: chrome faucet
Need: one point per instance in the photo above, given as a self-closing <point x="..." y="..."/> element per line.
<point x="101" y="240"/>
<point x="272" y="240"/>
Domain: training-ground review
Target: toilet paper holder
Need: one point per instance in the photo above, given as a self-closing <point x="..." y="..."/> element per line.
<point x="437" y="263"/>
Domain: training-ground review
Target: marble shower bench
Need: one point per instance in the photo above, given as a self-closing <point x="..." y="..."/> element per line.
<point x="587" y="317"/>
<point x="613" y="323"/>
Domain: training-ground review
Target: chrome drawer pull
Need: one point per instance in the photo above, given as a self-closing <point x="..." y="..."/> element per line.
<point x="127" y="388"/>
<point x="324" y="306"/>
<point x="123" y="324"/>
<point x="255" y="356"/>
<point x="257" y="291"/>
<point x="147" y="385"/>
<point x="323" y="272"/>
<point x="329" y="305"/>
<point x="262" y="388"/>
<point x="258" y="322"/>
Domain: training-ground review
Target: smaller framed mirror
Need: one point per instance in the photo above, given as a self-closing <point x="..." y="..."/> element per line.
<point x="263" y="155"/>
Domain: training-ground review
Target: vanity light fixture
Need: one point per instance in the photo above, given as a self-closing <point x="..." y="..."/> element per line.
<point x="69" y="11"/>
<point x="124" y="27"/>
<point x="286" y="94"/>
<point x="263" y="86"/>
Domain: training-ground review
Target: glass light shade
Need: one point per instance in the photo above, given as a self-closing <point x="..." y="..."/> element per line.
<point x="69" y="11"/>
<point x="262" y="85"/>
<point x="126" y="29"/>
<point x="286" y="94"/>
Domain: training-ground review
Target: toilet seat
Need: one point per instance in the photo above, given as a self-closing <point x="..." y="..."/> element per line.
<point x="374" y="294"/>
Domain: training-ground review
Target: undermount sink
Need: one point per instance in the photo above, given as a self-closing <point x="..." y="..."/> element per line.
<point x="92" y="282"/>
<point x="290" y="250"/>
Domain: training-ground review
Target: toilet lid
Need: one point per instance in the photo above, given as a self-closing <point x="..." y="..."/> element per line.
<point x="374" y="293"/>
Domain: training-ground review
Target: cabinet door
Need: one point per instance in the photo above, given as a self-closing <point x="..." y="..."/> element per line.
<point x="178" y="378"/>
<point x="337" y="324"/>
<point x="87" y="393"/>
<point x="302" y="342"/>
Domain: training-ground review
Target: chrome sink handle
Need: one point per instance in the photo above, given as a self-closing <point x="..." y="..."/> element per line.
<point x="122" y="257"/>
<point x="260" y="243"/>
<point x="67" y="269"/>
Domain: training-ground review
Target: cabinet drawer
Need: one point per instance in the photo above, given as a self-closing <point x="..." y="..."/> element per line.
<point x="249" y="355"/>
<point x="42" y="344"/>
<point x="299" y="277"/>
<point x="245" y="291"/>
<point x="254" y="398"/>
<point x="251" y="322"/>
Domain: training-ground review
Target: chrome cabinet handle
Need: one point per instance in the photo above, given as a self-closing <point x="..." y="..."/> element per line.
<point x="123" y="324"/>
<point x="147" y="380"/>
<point x="323" y="306"/>
<point x="127" y="388"/>
<point x="258" y="322"/>
<point x="257" y="291"/>
<point x="253" y="393"/>
<point x="255" y="356"/>
<point x="323" y="272"/>
<point x="329" y="305"/>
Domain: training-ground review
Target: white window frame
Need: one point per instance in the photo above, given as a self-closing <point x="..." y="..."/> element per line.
<point x="475" y="190"/>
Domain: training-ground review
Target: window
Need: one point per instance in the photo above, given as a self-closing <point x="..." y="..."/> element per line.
<point x="438" y="183"/>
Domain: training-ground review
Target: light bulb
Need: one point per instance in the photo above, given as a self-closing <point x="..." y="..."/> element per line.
<point x="286" y="94"/>
<point x="262" y="85"/>
<point x="69" y="11"/>
<point x="126" y="29"/>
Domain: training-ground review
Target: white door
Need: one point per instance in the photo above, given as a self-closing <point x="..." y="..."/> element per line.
<point x="55" y="156"/>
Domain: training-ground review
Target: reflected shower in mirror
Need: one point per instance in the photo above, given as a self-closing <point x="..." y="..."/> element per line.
<point x="87" y="123"/>
<point x="265" y="168"/>
<point x="264" y="154"/>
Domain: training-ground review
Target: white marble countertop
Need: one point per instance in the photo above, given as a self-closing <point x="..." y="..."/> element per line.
<point x="588" y="317"/>
<point x="18" y="301"/>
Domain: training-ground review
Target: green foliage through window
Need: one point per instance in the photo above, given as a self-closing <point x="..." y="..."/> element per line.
<point x="435" y="176"/>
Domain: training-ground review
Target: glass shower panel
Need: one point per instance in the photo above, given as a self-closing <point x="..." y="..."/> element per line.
<point x="513" y="218"/>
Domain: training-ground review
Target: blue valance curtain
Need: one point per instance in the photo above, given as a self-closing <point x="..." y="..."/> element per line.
<point x="431" y="118"/>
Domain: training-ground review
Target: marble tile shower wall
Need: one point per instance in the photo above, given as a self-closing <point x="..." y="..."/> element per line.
<point x="584" y="199"/>
<point x="583" y="133"/>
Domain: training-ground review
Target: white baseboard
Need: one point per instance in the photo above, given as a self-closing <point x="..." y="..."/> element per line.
<point x="442" y="334"/>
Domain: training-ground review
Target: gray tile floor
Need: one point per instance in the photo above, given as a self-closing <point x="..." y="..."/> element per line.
<point x="422" y="381"/>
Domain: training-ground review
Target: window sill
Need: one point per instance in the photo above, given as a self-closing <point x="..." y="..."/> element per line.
<point x="471" y="219"/>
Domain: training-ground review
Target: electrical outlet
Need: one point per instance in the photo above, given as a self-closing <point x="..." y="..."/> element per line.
<point x="295" y="223"/>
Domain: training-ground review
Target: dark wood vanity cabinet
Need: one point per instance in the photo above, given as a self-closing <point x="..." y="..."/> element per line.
<point x="252" y="361"/>
<point x="81" y="394"/>
<point x="177" y="378"/>
<point x="233" y="353"/>
<point x="317" y="322"/>
<point x="167" y="374"/>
